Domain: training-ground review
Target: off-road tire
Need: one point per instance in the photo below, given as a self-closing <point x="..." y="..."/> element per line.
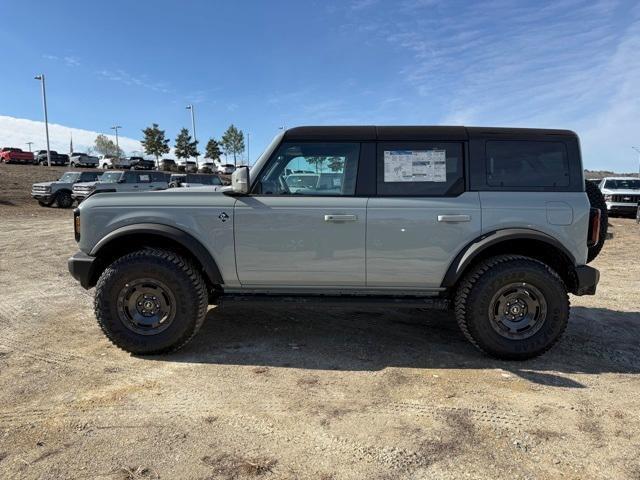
<point x="596" y="199"/>
<point x="178" y="274"/>
<point x="474" y="295"/>
<point x="64" y="200"/>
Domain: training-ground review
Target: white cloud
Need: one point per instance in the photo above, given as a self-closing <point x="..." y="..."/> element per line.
<point x="16" y="132"/>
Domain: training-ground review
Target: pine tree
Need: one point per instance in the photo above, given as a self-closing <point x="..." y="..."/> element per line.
<point x="233" y="142"/>
<point x="154" y="142"/>
<point x="213" y="151"/>
<point x="184" y="146"/>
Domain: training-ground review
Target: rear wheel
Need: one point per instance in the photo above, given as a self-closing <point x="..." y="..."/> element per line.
<point x="64" y="200"/>
<point x="151" y="301"/>
<point x="512" y="307"/>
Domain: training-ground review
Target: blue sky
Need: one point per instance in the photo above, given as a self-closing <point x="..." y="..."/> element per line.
<point x="260" y="65"/>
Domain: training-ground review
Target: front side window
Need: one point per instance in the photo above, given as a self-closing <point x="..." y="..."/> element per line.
<point x="311" y="169"/>
<point x="527" y="164"/>
<point x="420" y="169"/>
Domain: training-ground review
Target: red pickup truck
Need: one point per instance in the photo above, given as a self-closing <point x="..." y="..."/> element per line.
<point x="15" y="155"/>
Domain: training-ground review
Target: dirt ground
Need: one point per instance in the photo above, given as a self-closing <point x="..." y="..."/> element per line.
<point x="304" y="393"/>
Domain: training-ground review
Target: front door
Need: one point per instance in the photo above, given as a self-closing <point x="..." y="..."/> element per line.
<point x="302" y="226"/>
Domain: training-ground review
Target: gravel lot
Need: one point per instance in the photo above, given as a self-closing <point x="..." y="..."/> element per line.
<point x="304" y="393"/>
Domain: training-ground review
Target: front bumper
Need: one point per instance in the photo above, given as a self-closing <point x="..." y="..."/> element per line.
<point x="586" y="280"/>
<point x="80" y="196"/>
<point x="622" y="207"/>
<point x="81" y="266"/>
<point x="43" y="197"/>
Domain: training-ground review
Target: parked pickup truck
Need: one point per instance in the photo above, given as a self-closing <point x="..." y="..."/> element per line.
<point x="40" y="158"/>
<point x="195" y="180"/>
<point x="108" y="163"/>
<point x="83" y="160"/>
<point x="15" y="155"/>
<point x="622" y="194"/>
<point x="495" y="224"/>
<point x="140" y="163"/>
<point x="121" y="181"/>
<point x="59" y="191"/>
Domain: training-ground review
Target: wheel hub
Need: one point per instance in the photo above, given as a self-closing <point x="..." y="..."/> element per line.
<point x="146" y="306"/>
<point x="517" y="311"/>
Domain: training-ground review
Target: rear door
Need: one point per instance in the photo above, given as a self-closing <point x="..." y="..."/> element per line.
<point x="297" y="237"/>
<point x="421" y="216"/>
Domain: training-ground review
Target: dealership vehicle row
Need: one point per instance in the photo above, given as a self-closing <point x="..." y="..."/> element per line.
<point x="106" y="162"/>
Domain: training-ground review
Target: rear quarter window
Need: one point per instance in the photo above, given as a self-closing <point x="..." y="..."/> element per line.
<point x="526" y="164"/>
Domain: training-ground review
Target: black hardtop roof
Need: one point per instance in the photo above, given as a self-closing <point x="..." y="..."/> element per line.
<point x="416" y="132"/>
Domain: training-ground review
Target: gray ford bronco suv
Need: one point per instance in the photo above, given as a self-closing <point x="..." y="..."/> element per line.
<point x="492" y="223"/>
<point x="59" y="191"/>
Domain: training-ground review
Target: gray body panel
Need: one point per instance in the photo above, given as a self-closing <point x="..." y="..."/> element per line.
<point x="561" y="215"/>
<point x="406" y="244"/>
<point x="324" y="244"/>
<point x="192" y="212"/>
<point x="287" y="241"/>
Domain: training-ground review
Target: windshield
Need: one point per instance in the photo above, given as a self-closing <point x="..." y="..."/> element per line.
<point x="69" y="177"/>
<point x="110" y="177"/>
<point x="264" y="156"/>
<point x="623" y="184"/>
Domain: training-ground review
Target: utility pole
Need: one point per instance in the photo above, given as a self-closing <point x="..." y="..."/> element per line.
<point x="248" y="149"/>
<point x="193" y="128"/>
<point x="46" y="119"/>
<point x="116" y="127"/>
<point x="29" y="143"/>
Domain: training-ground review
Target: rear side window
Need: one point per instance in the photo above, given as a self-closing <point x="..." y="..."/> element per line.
<point x="526" y="164"/>
<point x="158" y="177"/>
<point x="420" y="169"/>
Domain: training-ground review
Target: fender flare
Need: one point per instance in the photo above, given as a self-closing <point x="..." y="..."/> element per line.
<point x="181" y="237"/>
<point x="471" y="251"/>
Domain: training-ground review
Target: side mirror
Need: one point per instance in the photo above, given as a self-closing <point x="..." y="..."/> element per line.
<point x="240" y="181"/>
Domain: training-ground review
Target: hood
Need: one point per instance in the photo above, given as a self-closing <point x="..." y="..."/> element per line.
<point x="621" y="191"/>
<point x="196" y="187"/>
<point x="160" y="199"/>
<point x="45" y="184"/>
<point x="85" y="184"/>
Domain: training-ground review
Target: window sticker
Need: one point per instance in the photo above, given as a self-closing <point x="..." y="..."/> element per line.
<point x="144" y="178"/>
<point x="415" y="166"/>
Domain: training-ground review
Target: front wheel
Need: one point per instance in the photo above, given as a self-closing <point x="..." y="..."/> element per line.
<point x="151" y="301"/>
<point x="64" y="200"/>
<point x="512" y="307"/>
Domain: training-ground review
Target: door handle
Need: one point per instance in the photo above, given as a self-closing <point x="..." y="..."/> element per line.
<point x="454" y="218"/>
<point x="340" y="218"/>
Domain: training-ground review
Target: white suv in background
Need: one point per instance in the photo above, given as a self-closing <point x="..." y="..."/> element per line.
<point x="225" y="168"/>
<point x="108" y="163"/>
<point x="622" y="194"/>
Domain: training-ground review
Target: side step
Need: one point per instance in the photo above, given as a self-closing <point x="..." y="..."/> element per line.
<point x="359" y="301"/>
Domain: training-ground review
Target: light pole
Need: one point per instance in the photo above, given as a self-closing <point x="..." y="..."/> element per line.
<point x="29" y="143"/>
<point x="248" y="149"/>
<point x="46" y="119"/>
<point x="637" y="149"/>
<point x="193" y="128"/>
<point x="116" y="127"/>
